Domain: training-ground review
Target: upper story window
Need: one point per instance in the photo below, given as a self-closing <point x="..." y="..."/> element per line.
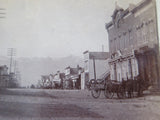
<point x="124" y="33"/>
<point x="129" y="36"/>
<point x="67" y="71"/>
<point x="86" y="66"/>
<point x="115" y="44"/>
<point x="130" y="30"/>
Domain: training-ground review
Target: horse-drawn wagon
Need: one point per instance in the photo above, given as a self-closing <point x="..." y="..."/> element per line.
<point x="122" y="89"/>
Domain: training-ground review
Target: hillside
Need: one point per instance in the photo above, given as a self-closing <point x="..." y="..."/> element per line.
<point x="31" y="69"/>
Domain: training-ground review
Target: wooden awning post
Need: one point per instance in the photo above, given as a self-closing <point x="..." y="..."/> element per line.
<point x="94" y="67"/>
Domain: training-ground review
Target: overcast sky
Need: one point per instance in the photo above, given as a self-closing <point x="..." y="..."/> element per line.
<point x="56" y="28"/>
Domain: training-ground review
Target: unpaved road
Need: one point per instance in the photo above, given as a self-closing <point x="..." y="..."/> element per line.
<point x="33" y="104"/>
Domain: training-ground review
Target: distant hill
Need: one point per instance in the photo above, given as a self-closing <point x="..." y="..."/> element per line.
<point x="31" y="69"/>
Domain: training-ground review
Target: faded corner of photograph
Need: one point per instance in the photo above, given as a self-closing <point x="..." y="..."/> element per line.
<point x="79" y="59"/>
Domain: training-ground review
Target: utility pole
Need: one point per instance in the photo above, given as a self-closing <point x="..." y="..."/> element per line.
<point x="15" y="66"/>
<point x="94" y="68"/>
<point x="102" y="48"/>
<point x="11" y="53"/>
<point x="2" y="13"/>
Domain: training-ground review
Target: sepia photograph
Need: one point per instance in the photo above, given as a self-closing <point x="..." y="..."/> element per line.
<point x="79" y="60"/>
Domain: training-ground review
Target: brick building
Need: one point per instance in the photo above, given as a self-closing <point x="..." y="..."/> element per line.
<point x="133" y="43"/>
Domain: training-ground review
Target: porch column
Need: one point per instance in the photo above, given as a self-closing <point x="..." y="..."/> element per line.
<point x="157" y="65"/>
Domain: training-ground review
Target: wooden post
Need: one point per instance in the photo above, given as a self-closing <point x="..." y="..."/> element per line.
<point x="94" y="67"/>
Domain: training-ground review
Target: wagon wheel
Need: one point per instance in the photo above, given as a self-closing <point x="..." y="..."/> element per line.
<point x="95" y="91"/>
<point x="108" y="92"/>
<point x="120" y="92"/>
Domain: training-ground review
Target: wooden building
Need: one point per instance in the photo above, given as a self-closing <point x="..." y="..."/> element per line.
<point x="58" y="80"/>
<point x="133" y="43"/>
<point x="73" y="78"/>
<point x="4" y="77"/>
<point x="46" y="82"/>
<point x="95" y="65"/>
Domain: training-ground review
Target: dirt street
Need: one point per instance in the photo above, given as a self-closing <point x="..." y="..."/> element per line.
<point x="34" y="104"/>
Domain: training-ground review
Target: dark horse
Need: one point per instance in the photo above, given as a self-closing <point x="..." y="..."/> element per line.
<point x="134" y="85"/>
<point x="142" y="85"/>
<point x="129" y="87"/>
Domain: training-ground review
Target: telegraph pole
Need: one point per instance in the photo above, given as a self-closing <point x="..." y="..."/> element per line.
<point x="102" y="48"/>
<point x="2" y="13"/>
<point x="15" y="66"/>
<point x="11" y="53"/>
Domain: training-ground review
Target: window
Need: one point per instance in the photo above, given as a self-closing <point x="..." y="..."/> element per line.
<point x="125" y="41"/>
<point x="86" y="67"/>
<point x="152" y="31"/>
<point x="129" y="36"/>
<point x="67" y="71"/>
<point x="86" y="77"/>
<point x="110" y="45"/>
<point x="121" y="42"/>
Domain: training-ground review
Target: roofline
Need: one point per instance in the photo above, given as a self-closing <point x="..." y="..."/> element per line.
<point x="85" y="52"/>
<point x="126" y="11"/>
<point x="109" y="24"/>
<point x="140" y="5"/>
